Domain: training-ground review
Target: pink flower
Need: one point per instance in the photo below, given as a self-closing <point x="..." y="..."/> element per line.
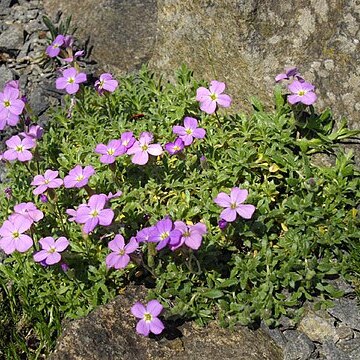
<point x="35" y="132"/>
<point x="94" y="213"/>
<point x="27" y="211"/>
<point x="106" y="82"/>
<point x="210" y="98"/>
<point x="70" y="80"/>
<point x="54" y="49"/>
<point x="119" y="258"/>
<point x="110" y="151"/>
<point x="189" y="131"/>
<point x="233" y="205"/>
<point x="48" y="180"/>
<point x="12" y="237"/>
<point x="10" y="106"/>
<point x="78" y="177"/>
<point x="174" y="147"/>
<point x="191" y="234"/>
<point x="149" y="317"/>
<point x="18" y="149"/>
<point x="302" y="92"/>
<point x="290" y="72"/>
<point x="49" y="255"/>
<point x="142" y="148"/>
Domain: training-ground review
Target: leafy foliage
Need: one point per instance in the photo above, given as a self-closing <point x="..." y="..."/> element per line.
<point x="300" y="236"/>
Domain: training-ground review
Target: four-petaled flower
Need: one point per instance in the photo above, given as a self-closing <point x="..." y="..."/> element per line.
<point x="110" y="151"/>
<point x="119" y="258"/>
<point x="48" y="180"/>
<point x="54" y="49"/>
<point x="302" y="92"/>
<point x="93" y="213"/>
<point x="70" y="80"/>
<point x="233" y="204"/>
<point x="142" y="148"/>
<point x="210" y="98"/>
<point x="174" y="147"/>
<point x="289" y="73"/>
<point x="191" y="235"/>
<point x="49" y="255"/>
<point x="149" y="317"/>
<point x="106" y="82"/>
<point x="78" y="177"/>
<point x="10" y="106"/>
<point x="12" y="237"/>
<point x="35" y="132"/>
<point x="27" y="211"/>
<point x="189" y="131"/>
<point x="164" y="234"/>
<point x="18" y="149"/>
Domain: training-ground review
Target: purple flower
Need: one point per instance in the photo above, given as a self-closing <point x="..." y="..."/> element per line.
<point x="110" y="151"/>
<point x="35" y="132"/>
<point x="27" y="211"/>
<point x="110" y="195"/>
<point x="119" y="258"/>
<point x="78" y="177"/>
<point x="149" y="317"/>
<point x="143" y="235"/>
<point x="68" y="41"/>
<point x="49" y="255"/>
<point x="191" y="235"/>
<point x="233" y="205"/>
<point x="43" y="198"/>
<point x="164" y="234"/>
<point x="142" y="148"/>
<point x="94" y="213"/>
<point x="174" y="147"/>
<point x="12" y="237"/>
<point x="70" y="80"/>
<point x="223" y="224"/>
<point x="76" y="55"/>
<point x="18" y="149"/>
<point x="10" y="106"/>
<point x="210" y="98"/>
<point x="127" y="140"/>
<point x="189" y="131"/>
<point x="290" y="72"/>
<point x="302" y="92"/>
<point x="106" y="82"/>
<point x="48" y="180"/>
<point x="54" y="49"/>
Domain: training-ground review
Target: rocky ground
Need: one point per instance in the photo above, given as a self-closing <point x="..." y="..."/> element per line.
<point x="333" y="334"/>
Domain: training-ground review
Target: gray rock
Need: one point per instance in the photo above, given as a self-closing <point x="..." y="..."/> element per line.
<point x="109" y="333"/>
<point x="351" y="347"/>
<point x="298" y="346"/>
<point x="12" y="39"/>
<point x="278" y="337"/>
<point x="347" y="311"/>
<point x="5" y="76"/>
<point x="318" y="328"/>
<point x="38" y="101"/>
<point x="244" y="43"/>
<point x="344" y="332"/>
<point x="331" y="352"/>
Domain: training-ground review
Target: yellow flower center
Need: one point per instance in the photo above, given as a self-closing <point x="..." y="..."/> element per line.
<point x="186" y="234"/>
<point x="147" y="317"/>
<point x="301" y="92"/>
<point x="188" y="131"/>
<point x="16" y="235"/>
<point x="213" y="97"/>
<point x="19" y="148"/>
<point x="121" y="252"/>
<point x="111" y="151"/>
<point x="176" y="147"/>
<point x="144" y="147"/>
<point x="46" y="181"/>
<point x="94" y="213"/>
<point x="233" y="206"/>
<point x="7" y="103"/>
<point x="164" y="235"/>
<point x="71" y="80"/>
<point x="51" y="250"/>
<point x="79" y="178"/>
